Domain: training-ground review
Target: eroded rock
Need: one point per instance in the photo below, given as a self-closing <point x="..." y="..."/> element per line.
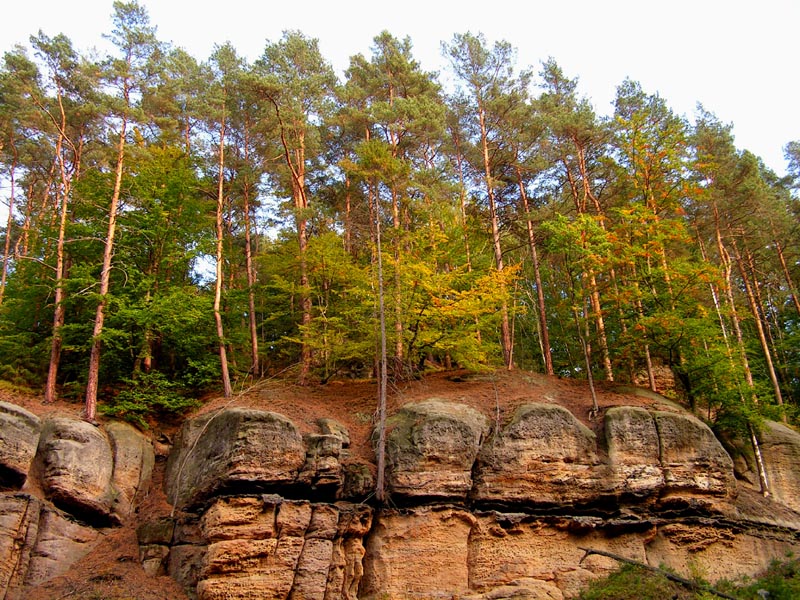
<point x="60" y="543"/>
<point x="422" y="553"/>
<point x="133" y="463"/>
<point x="19" y="527"/>
<point x="333" y="427"/>
<point x="19" y="437"/>
<point x="322" y="472"/>
<point x="431" y="449"/>
<point x="780" y="447"/>
<point x="634" y="452"/>
<point x="543" y="457"/>
<point x="238" y="449"/>
<point x="76" y="468"/>
<point x="268" y="547"/>
<point x="695" y="465"/>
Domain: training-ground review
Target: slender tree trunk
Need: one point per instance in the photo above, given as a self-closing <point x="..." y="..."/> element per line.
<point x="601" y="326"/>
<point x="223" y="355"/>
<point x="581" y="199"/>
<point x="383" y="381"/>
<point x="583" y="336"/>
<point x="251" y="273"/>
<point x="297" y="166"/>
<point x="790" y="284"/>
<point x="762" y="472"/>
<point x="537" y="277"/>
<point x="762" y="338"/>
<point x="9" y="223"/>
<point x="398" y="294"/>
<point x="648" y="359"/>
<point x="58" y="315"/>
<point x="505" y="326"/>
<point x="302" y="235"/>
<point x="93" y="376"/>
<point x="462" y="198"/>
<point x="348" y="225"/>
<point x="727" y="269"/>
<point x="769" y="324"/>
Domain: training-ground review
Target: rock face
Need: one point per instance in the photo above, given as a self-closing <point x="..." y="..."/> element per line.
<point x="133" y="464"/>
<point x="263" y="512"/>
<point x="486" y="516"/>
<point x="75" y="479"/>
<point x="543" y="457"/>
<point x="267" y="547"/>
<point x="634" y="452"/>
<point x="77" y="466"/>
<point x="234" y="449"/>
<point x="37" y="542"/>
<point x="672" y="457"/>
<point x="431" y="448"/>
<point x="780" y="447"/>
<point x="435" y="552"/>
<point x="19" y="436"/>
<point x="694" y="462"/>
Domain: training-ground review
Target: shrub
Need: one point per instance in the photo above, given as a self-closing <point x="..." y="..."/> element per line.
<point x="634" y="583"/>
<point x="148" y="395"/>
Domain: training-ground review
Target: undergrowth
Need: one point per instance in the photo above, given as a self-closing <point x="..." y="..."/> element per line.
<point x="781" y="581"/>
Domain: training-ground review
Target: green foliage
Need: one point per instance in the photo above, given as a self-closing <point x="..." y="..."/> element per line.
<point x="647" y="232"/>
<point x="781" y="581"/>
<point x="635" y="583"/>
<point x="148" y="395"/>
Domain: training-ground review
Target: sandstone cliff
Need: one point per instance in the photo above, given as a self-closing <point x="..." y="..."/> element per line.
<point x="481" y="507"/>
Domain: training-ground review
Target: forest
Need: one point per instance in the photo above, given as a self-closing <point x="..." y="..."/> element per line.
<point x="177" y="226"/>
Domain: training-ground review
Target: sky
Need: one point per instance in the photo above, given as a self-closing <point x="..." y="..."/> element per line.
<point x="738" y="58"/>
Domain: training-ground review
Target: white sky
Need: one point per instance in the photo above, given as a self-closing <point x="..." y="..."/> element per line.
<point x="738" y="58"/>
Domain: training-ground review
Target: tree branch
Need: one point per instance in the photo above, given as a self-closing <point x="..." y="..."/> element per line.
<point x="671" y="576"/>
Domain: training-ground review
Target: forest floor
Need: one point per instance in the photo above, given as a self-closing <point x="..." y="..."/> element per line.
<point x="111" y="571"/>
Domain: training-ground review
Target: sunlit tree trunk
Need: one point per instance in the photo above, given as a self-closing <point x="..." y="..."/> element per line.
<point x="537" y="277"/>
<point x="93" y="376"/>
<point x="9" y="224"/>
<point x="505" y="325"/>
<point x="789" y="283"/>
<point x="754" y="310"/>
<point x="462" y="205"/>
<point x="383" y="378"/>
<point x="251" y="273"/>
<point x="58" y="315"/>
<point x="223" y="355"/>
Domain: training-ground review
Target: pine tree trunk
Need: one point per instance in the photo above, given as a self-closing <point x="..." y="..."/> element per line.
<point x="462" y="203"/>
<point x="790" y="284"/>
<point x="227" y="389"/>
<point x="305" y="299"/>
<point x="581" y="202"/>
<point x="537" y="278"/>
<point x="58" y="314"/>
<point x="92" y="379"/>
<point x="398" y="294"/>
<point x="505" y="327"/>
<point x="762" y="338"/>
<point x="735" y="321"/>
<point x="251" y="274"/>
<point x="601" y="327"/>
<point x="383" y="381"/>
<point x="9" y="222"/>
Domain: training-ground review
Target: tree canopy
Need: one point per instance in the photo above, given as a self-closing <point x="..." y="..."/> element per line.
<point x="177" y="224"/>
